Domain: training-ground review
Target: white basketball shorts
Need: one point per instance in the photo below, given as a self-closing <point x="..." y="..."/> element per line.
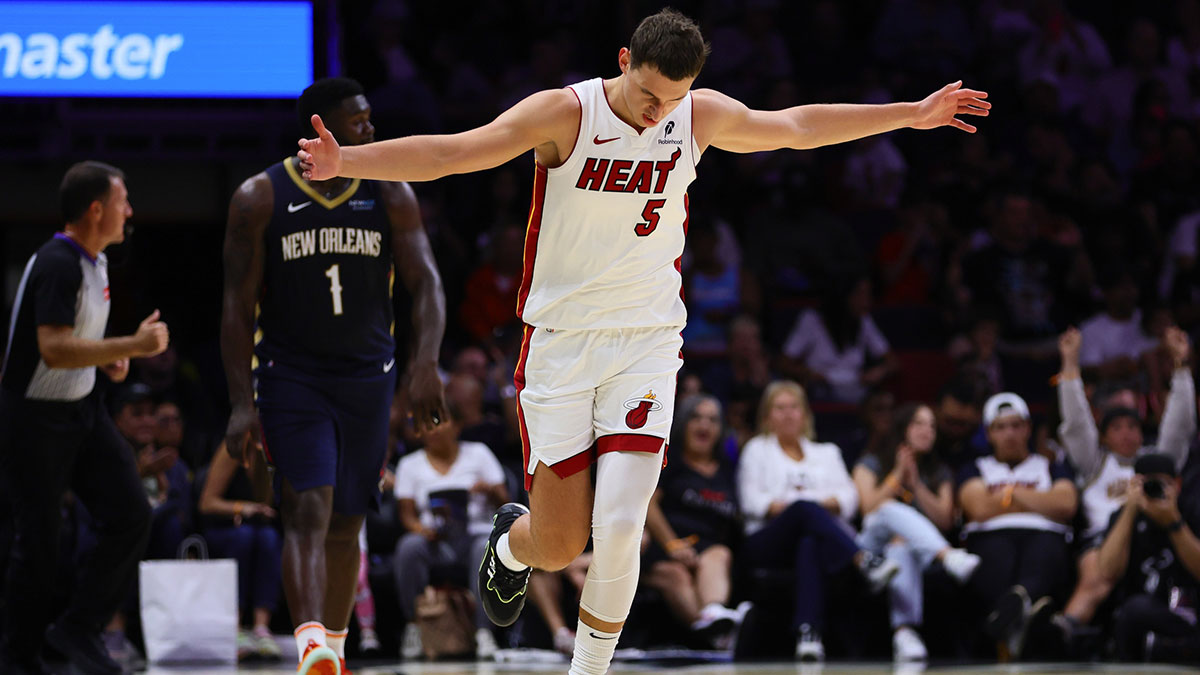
<point x="582" y="393"/>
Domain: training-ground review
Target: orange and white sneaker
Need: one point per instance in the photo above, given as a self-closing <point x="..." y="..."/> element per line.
<point x="319" y="660"/>
<point x="345" y="670"/>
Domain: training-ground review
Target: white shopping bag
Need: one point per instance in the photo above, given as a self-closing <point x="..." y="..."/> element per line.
<point x="189" y="608"/>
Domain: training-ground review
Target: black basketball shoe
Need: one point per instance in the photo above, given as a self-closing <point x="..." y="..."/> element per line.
<point x="501" y="590"/>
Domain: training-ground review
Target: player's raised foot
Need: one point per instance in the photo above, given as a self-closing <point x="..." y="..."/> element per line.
<point x="501" y="590"/>
<point x="319" y="660"/>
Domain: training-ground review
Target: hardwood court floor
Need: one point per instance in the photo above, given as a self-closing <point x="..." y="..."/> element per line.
<point x="662" y="668"/>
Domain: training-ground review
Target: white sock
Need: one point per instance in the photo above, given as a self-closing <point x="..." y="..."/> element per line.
<point x="593" y="650"/>
<point x="313" y="631"/>
<point x="504" y="553"/>
<point x="336" y="640"/>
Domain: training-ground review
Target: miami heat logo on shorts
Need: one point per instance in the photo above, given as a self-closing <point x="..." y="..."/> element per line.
<point x="640" y="408"/>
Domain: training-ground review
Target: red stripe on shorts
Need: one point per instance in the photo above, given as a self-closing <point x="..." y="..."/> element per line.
<point x="631" y="443"/>
<point x="519" y="383"/>
<point x="573" y="465"/>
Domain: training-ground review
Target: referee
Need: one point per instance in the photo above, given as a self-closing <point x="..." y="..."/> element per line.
<point x="56" y="435"/>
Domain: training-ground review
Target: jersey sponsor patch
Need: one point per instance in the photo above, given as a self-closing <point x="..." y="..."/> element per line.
<point x="362" y="204"/>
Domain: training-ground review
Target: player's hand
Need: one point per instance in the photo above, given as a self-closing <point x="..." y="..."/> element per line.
<point x="426" y="398"/>
<point x="942" y="107"/>
<point x="1068" y="346"/>
<point x="1177" y="345"/>
<point x="117" y="371"/>
<point x="152" y="336"/>
<point x="320" y="157"/>
<point x="242" y="435"/>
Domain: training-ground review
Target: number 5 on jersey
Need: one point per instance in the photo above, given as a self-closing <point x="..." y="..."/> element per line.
<point x="335" y="286"/>
<point x="650" y="213"/>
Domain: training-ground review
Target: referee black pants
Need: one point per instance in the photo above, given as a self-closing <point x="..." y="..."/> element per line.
<point x="47" y="448"/>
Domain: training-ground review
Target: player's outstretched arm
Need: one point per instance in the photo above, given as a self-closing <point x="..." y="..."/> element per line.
<point x="413" y="258"/>
<point x="726" y="123"/>
<point x="541" y="119"/>
<point x="249" y="214"/>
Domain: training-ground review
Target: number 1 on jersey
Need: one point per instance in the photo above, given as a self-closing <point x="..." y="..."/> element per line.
<point x="650" y="213"/>
<point x="335" y="288"/>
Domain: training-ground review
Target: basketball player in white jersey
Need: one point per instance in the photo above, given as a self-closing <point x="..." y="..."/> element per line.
<point x="1103" y="457"/>
<point x="600" y="295"/>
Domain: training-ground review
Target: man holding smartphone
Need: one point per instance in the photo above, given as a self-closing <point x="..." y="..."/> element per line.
<point x="1152" y="556"/>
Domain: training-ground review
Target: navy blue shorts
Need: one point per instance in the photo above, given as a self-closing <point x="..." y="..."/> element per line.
<point x="322" y="430"/>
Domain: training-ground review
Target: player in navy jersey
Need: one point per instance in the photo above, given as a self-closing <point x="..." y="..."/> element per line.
<point x="309" y="264"/>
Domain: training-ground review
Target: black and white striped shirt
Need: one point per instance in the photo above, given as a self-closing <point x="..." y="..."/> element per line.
<point x="62" y="286"/>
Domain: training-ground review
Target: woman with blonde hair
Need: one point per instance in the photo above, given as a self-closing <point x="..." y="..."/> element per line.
<point x="798" y="499"/>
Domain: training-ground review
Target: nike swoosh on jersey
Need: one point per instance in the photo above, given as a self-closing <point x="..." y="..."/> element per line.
<point x="601" y="141"/>
<point x="387" y="367"/>
<point x="292" y="208"/>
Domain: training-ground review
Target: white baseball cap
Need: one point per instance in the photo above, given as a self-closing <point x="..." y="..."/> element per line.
<point x="1003" y="405"/>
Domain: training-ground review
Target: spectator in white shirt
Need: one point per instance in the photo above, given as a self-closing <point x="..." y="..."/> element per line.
<point x="445" y="495"/>
<point x="837" y="350"/>
<point x="1018" y="506"/>
<point x="798" y="499"/>
<point x="1113" y="340"/>
<point x="1103" y="457"/>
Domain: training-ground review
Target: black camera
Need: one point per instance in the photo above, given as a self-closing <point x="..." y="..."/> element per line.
<point x="1153" y="488"/>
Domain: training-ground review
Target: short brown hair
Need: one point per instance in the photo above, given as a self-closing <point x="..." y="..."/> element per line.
<point x="670" y="42"/>
<point x="84" y="183"/>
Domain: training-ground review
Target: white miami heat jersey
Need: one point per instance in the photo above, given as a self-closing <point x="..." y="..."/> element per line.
<point x="606" y="229"/>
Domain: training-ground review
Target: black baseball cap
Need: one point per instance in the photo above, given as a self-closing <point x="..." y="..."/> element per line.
<point x="1155" y="463"/>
